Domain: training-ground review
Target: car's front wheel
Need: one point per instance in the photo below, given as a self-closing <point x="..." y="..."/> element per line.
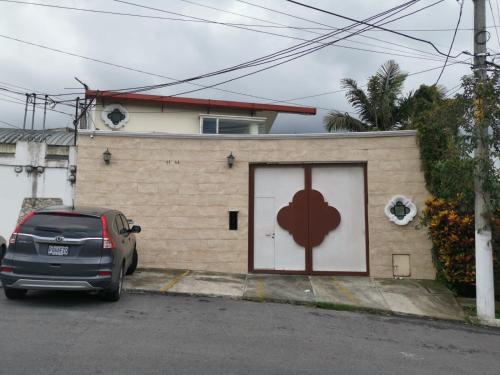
<point x="15" y="293"/>
<point x="114" y="293"/>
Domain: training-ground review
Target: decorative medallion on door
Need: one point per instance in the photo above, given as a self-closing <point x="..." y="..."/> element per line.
<point x="308" y="218"/>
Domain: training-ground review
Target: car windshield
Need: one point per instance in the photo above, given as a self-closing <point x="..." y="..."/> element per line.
<point x="70" y="226"/>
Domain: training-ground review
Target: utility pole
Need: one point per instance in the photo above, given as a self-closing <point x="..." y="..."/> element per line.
<point x="77" y="119"/>
<point x="84" y="119"/>
<point x="485" y="295"/>
<point x="33" y="115"/>
<point x="26" y="110"/>
<point x="45" y="112"/>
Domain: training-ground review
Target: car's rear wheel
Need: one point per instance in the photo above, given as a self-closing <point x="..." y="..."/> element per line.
<point x="15" y="293"/>
<point x="133" y="265"/>
<point x="114" y="293"/>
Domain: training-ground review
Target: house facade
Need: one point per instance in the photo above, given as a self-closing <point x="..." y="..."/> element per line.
<point x="344" y="203"/>
<point x="176" y="115"/>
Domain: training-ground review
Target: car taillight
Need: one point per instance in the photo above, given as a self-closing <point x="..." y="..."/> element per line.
<point x="13" y="237"/>
<point x="6" y="269"/>
<point x="107" y="240"/>
<point x="104" y="273"/>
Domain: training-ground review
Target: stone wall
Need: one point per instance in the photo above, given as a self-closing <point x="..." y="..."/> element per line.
<point x="179" y="189"/>
<point x="32" y="204"/>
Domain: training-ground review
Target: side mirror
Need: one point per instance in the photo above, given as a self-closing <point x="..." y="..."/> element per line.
<point x="135" y="229"/>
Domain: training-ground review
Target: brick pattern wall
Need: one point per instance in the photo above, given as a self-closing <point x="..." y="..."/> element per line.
<point x="180" y="192"/>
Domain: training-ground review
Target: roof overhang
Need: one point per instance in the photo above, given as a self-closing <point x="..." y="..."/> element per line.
<point x="194" y="102"/>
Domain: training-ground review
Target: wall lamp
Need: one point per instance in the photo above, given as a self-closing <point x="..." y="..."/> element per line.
<point x="106" y="156"/>
<point x="230" y="160"/>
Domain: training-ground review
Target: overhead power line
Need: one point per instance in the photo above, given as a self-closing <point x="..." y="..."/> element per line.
<point x="145" y="72"/>
<point x="375" y="26"/>
<point x="292" y="101"/>
<point x="283" y="56"/>
<point x="494" y="20"/>
<point x="452" y="40"/>
<point x="453" y="90"/>
<point x="38" y="92"/>
<point x="308" y="30"/>
<point x="330" y="27"/>
<point x="270" y="33"/>
<point x="128" y="68"/>
<point x="343" y="90"/>
<point x="258" y="61"/>
<point x="9" y="124"/>
<point x="20" y="102"/>
<point x="272" y="24"/>
<point x="254" y="72"/>
<point x="197" y="18"/>
<point x="405" y="53"/>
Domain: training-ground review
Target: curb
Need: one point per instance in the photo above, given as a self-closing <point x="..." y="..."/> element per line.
<point x="316" y="304"/>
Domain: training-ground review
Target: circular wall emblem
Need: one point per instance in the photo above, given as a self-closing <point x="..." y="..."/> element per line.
<point x="400" y="210"/>
<point x="115" y="116"/>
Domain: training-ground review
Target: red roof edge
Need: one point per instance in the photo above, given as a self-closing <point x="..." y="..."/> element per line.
<point x="193" y="102"/>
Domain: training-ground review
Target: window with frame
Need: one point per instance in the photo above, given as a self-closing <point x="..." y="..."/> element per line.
<point x="7" y="149"/>
<point x="119" y="227"/>
<point x="57" y="152"/>
<point x="125" y="222"/>
<point x="231" y="125"/>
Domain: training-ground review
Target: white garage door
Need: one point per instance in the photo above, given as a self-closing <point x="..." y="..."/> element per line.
<point x="309" y="219"/>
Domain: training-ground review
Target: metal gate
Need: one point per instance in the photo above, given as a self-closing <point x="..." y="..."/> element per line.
<point x="308" y="219"/>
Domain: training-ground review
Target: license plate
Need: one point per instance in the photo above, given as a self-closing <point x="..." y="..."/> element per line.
<point x="58" y="250"/>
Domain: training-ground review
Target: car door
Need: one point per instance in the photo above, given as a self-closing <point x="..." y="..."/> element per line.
<point x="121" y="235"/>
<point x="130" y="238"/>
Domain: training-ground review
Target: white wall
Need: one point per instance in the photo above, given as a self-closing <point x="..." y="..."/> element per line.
<point x="14" y="187"/>
<point x="153" y="118"/>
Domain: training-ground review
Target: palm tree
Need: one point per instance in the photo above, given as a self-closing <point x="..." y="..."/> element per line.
<point x="378" y="108"/>
<point x="418" y="102"/>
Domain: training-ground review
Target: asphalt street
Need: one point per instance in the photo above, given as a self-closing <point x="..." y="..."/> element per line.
<point x="63" y="333"/>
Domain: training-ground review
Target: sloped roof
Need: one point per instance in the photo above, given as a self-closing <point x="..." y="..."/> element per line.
<point x="195" y="102"/>
<point x="51" y="137"/>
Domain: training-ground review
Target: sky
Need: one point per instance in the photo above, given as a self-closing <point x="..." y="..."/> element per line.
<point x="179" y="49"/>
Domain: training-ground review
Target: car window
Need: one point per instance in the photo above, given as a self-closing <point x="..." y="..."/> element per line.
<point x="125" y="222"/>
<point x="118" y="224"/>
<point x="70" y="226"/>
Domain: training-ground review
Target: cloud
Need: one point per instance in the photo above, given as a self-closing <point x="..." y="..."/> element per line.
<point x="183" y="49"/>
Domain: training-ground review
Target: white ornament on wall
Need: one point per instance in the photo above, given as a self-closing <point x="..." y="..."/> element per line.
<point x="115" y="116"/>
<point x="400" y="210"/>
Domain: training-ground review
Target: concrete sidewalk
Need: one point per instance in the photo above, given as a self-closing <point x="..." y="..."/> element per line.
<point x="414" y="297"/>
